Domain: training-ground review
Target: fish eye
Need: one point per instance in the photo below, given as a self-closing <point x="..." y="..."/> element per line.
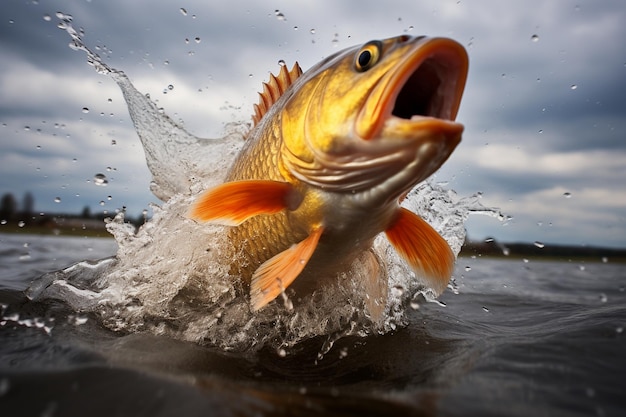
<point x="368" y="56"/>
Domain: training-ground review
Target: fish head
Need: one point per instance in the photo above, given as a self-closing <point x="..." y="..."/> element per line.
<point x="377" y="117"/>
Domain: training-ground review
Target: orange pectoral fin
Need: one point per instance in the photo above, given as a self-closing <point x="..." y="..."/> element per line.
<point x="232" y="203"/>
<point x="422" y="248"/>
<point x="279" y="272"/>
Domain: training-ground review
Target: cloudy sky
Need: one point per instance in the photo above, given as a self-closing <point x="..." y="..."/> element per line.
<point x="544" y="108"/>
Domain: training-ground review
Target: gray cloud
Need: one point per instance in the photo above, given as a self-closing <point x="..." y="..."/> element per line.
<point x="529" y="136"/>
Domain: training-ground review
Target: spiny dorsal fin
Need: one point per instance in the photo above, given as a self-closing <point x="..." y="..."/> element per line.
<point x="274" y="89"/>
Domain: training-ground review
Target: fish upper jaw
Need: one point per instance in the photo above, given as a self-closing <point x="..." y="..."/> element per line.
<point x="422" y="92"/>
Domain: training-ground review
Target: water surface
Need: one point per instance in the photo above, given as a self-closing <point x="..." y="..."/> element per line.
<point x="519" y="338"/>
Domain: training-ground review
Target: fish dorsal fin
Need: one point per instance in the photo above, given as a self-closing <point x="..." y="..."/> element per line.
<point x="274" y="89"/>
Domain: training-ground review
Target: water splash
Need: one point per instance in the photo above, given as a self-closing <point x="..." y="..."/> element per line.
<point x="170" y="277"/>
<point x="164" y="141"/>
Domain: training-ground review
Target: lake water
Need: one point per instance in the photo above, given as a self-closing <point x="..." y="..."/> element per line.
<point x="520" y="338"/>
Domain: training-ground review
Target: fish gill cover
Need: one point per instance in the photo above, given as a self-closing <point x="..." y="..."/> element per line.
<point x="169" y="277"/>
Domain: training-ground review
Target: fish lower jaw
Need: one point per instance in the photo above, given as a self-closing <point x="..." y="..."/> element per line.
<point x="421" y="127"/>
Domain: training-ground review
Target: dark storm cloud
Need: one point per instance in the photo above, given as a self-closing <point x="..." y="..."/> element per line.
<point x="530" y="137"/>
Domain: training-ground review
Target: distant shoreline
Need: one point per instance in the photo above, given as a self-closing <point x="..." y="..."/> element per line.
<point x="488" y="249"/>
<point x="52" y="231"/>
<point x="522" y="250"/>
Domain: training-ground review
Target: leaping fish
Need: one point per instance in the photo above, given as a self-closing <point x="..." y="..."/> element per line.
<point x="331" y="154"/>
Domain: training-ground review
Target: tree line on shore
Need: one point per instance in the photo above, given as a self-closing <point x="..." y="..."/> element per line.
<point x="24" y="214"/>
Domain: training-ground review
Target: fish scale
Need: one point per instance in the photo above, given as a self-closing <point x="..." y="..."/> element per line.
<point x="261" y="237"/>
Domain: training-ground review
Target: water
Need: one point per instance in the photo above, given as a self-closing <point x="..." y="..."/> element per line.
<point x="519" y="338"/>
<point x="154" y="325"/>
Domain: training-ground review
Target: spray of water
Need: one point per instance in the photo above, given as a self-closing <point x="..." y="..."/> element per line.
<point x="170" y="277"/>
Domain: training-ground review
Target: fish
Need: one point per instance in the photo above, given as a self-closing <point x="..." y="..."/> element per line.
<point x="331" y="154"/>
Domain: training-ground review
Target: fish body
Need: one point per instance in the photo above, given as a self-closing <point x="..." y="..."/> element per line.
<point x="332" y="153"/>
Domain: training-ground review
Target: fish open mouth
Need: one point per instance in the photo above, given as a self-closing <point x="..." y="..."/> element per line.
<point x="431" y="81"/>
<point x="426" y="92"/>
<point x="423" y="92"/>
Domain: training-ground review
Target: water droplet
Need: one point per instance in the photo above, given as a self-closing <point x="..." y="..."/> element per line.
<point x="281" y="352"/>
<point x="534" y="38"/>
<point x="485" y="309"/>
<point x="573" y="87"/>
<point x="489" y="240"/>
<point x="454" y="286"/>
<point x="397" y="290"/>
<point x="113" y="142"/>
<point x="539" y="244"/>
<point x="415" y="305"/>
<point x="85" y="110"/>
<point x="109" y="198"/>
<point x="27" y="128"/>
<point x="295" y="28"/>
<point x="343" y="352"/>
<point x="100" y="179"/>
<point x="281" y="62"/>
<point x="170" y="87"/>
<point x="21" y="223"/>
<point x="468" y="268"/>
<point x="605" y="259"/>
<point x="279" y="15"/>
<point x="603" y="298"/>
<point x="102" y="202"/>
<point x="57" y="199"/>
<point x="286" y="300"/>
<point x="197" y="39"/>
<point x="183" y="11"/>
<point x="567" y="194"/>
<point x="47" y="17"/>
<point x="312" y="31"/>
